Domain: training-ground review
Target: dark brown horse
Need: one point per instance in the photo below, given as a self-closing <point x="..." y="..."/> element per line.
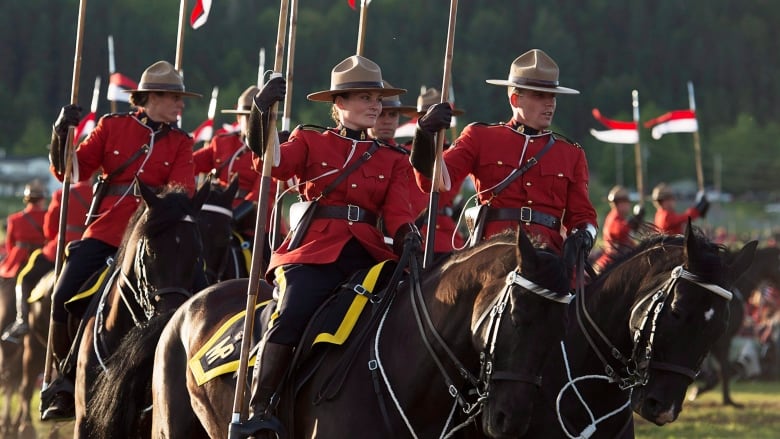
<point x="155" y="268"/>
<point x="636" y="338"/>
<point x="467" y="339"/>
<point x="215" y="220"/>
<point x="765" y="269"/>
<point x="10" y="360"/>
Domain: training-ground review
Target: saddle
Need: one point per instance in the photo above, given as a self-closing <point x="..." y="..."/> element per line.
<point x="78" y="304"/>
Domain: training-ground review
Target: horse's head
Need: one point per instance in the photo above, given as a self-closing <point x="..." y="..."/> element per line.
<point x="525" y="321"/>
<point x="161" y="250"/>
<point x="215" y="220"/>
<point x="677" y="323"/>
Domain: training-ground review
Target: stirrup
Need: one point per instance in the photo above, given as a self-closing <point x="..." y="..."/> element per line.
<point x="16" y="332"/>
<point x="256" y="424"/>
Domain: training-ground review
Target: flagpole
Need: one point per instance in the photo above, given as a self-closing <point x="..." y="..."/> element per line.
<point x="276" y="232"/>
<point x="180" y="35"/>
<point x="696" y="142"/>
<point x="261" y="68"/>
<point x="239" y="404"/>
<point x="436" y="181"/>
<point x="66" y="181"/>
<point x="111" y="68"/>
<point x="640" y="182"/>
<point x="362" y="27"/>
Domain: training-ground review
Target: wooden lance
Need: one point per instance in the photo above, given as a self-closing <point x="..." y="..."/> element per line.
<point x="180" y="35"/>
<point x="362" y="26"/>
<point x="437" y="180"/>
<point x="276" y="232"/>
<point x="640" y="184"/>
<point x="66" y="181"/>
<point x="696" y="142"/>
<point x="239" y="405"/>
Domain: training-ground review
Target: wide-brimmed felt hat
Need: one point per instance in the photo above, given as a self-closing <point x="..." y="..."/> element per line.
<point x="244" y="105"/>
<point x="162" y="77"/>
<point x="534" y="70"/>
<point x="355" y="74"/>
<point x="394" y="103"/>
<point x="432" y="96"/>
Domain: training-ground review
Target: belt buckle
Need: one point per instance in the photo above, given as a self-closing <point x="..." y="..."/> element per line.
<point x="136" y="190"/>
<point x="353" y="213"/>
<point x="526" y="214"/>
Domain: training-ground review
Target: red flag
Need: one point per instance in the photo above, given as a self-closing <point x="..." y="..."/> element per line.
<point x="228" y="128"/>
<point x="204" y="131"/>
<point x="351" y="3"/>
<point x="407" y="129"/>
<point x="200" y="13"/>
<point x="117" y="84"/>
<point x="619" y="132"/>
<point x="677" y="121"/>
<point x="85" y="126"/>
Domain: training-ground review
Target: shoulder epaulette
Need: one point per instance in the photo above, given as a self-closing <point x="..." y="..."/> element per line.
<point x="117" y="115"/>
<point x="485" y="124"/>
<point x="317" y="128"/>
<point x="566" y="139"/>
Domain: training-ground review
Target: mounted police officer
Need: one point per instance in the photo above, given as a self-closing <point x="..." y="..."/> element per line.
<point x="667" y="220"/>
<point x="523" y="173"/>
<point x="348" y="181"/>
<point x="145" y="144"/>
<point x="619" y="224"/>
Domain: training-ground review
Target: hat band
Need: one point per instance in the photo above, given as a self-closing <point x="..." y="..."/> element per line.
<point x="160" y="86"/>
<point x="358" y="84"/>
<point x="533" y="82"/>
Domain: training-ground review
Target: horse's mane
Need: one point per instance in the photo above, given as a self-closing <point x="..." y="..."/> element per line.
<point x="173" y="203"/>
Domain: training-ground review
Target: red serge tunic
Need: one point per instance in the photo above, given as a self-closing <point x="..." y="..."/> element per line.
<point x="673" y="223"/>
<point x="23" y="235"/>
<point x="78" y="206"/>
<point x="379" y="185"/>
<point x="617" y="235"/>
<point x="557" y="185"/>
<point x="115" y="139"/>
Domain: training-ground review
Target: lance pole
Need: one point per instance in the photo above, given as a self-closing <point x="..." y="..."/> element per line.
<point x="437" y="180"/>
<point x="111" y="67"/>
<point x="696" y="142"/>
<point x="180" y="35"/>
<point x="66" y="181"/>
<point x="640" y="182"/>
<point x="362" y="27"/>
<point x="276" y="232"/>
<point x="239" y="404"/>
<point x="261" y="68"/>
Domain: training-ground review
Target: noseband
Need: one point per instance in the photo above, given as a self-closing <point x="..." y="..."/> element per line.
<point x="646" y="311"/>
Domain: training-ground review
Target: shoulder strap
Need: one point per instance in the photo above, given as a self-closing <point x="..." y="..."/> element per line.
<point x="124" y="165"/>
<point x="521" y="170"/>
<point x="351" y="168"/>
<point x="32" y="221"/>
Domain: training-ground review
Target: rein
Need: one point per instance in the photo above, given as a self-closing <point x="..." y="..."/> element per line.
<point x="219" y="272"/>
<point x="637" y="369"/>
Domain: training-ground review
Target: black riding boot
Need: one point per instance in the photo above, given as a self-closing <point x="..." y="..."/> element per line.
<point x="270" y="368"/>
<point x="19" y="328"/>
<point x="57" y="399"/>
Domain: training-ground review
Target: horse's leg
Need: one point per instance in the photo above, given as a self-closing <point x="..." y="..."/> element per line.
<point x="31" y="361"/>
<point x="85" y="375"/>
<point x="212" y="403"/>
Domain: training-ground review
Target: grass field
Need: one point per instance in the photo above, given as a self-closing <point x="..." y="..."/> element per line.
<point x="704" y="418"/>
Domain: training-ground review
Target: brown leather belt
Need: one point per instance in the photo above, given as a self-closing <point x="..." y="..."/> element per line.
<point x="129" y="189"/>
<point x="27" y="245"/>
<point x="350" y="213"/>
<point x="523" y="214"/>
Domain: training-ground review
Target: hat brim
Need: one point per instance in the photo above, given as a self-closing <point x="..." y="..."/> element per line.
<point x="158" y="90"/>
<point x="245" y="112"/>
<point x="557" y="90"/>
<point x="405" y="110"/>
<point x="327" y="95"/>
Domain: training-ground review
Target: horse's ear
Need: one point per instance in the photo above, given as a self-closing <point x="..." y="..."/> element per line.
<point x="150" y="198"/>
<point x="741" y="262"/>
<point x="691" y="245"/>
<point x="525" y="251"/>
<point x="201" y="195"/>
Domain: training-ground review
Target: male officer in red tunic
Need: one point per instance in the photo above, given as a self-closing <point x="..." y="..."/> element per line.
<point x="24" y="231"/>
<point x="42" y="261"/>
<point x="618" y="225"/>
<point x="667" y="220"/>
<point x="552" y="188"/>
<point x="145" y="144"/>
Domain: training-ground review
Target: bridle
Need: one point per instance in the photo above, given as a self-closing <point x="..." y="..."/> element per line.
<point x="646" y="312"/>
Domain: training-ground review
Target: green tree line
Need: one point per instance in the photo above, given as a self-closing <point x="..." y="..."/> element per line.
<point x="605" y="49"/>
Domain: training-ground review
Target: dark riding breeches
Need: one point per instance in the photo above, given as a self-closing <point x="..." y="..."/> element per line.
<point x="82" y="259"/>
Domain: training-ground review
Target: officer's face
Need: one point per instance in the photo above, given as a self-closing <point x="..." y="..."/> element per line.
<point x="359" y="111"/>
<point x="164" y="107"/>
<point x="386" y="124"/>
<point x="534" y="108"/>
